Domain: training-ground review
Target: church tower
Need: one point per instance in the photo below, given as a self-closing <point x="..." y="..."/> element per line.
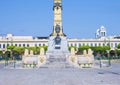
<point x="57" y="8"/>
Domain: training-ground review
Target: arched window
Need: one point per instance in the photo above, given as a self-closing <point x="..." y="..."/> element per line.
<point x="3" y="45"/>
<point x="108" y="44"/>
<point x="83" y="44"/>
<point x="99" y="44"/>
<point x="116" y="45"/>
<point x="91" y="44"/>
<point x="75" y="44"/>
<point x="87" y="44"/>
<point x="27" y="45"/>
<point x="79" y="45"/>
<point x="103" y="44"/>
<point x="95" y="44"/>
<point x="8" y="45"/>
<point x="39" y="44"/>
<point x="23" y="45"/>
<point x="104" y="34"/>
<point x="15" y="44"/>
<point x="19" y="45"/>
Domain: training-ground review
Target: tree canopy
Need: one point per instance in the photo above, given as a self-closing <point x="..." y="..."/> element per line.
<point x="118" y="46"/>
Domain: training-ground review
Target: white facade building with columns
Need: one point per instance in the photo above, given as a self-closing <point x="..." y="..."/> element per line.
<point x="21" y="41"/>
<point x="29" y="41"/>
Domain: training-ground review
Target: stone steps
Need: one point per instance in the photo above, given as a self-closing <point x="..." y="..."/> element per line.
<point x="56" y="61"/>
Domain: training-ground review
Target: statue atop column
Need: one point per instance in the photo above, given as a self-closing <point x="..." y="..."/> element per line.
<point x="57" y="40"/>
<point x="57" y="8"/>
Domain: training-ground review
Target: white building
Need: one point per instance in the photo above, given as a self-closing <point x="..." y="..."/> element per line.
<point x="22" y="41"/>
<point x="29" y="41"/>
<point x="101" y="32"/>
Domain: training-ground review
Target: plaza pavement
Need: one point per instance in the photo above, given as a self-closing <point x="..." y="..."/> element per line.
<point x="61" y="76"/>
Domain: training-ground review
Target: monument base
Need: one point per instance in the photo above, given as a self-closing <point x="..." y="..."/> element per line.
<point x="57" y="54"/>
<point x="62" y="48"/>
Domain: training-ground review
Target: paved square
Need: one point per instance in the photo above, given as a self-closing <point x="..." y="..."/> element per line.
<point x="58" y="76"/>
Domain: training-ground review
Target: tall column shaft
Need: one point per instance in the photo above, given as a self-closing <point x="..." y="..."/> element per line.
<point x="57" y="8"/>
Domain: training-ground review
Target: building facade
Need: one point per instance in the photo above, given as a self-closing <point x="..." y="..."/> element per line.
<point x="29" y="41"/>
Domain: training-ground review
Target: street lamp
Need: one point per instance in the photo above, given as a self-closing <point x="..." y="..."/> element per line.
<point x="14" y="61"/>
<point x="100" y="63"/>
<point x="109" y="61"/>
<point x="4" y="55"/>
<point x="6" y="58"/>
<point x="13" y="56"/>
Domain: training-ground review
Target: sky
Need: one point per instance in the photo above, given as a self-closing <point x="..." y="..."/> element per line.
<point x="80" y="18"/>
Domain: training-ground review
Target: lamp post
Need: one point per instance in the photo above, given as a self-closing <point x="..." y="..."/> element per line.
<point x="100" y="63"/>
<point x="14" y="61"/>
<point x="99" y="58"/>
<point x="109" y="61"/>
<point x="109" y="58"/>
<point x="13" y="56"/>
<point x="6" y="58"/>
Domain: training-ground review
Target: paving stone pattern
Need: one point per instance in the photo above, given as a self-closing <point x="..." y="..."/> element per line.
<point x="61" y="76"/>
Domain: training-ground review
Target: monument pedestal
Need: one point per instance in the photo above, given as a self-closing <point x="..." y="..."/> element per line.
<point x="57" y="54"/>
<point x="54" y="48"/>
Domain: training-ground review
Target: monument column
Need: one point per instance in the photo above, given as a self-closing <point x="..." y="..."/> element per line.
<point x="57" y="43"/>
<point x="57" y="8"/>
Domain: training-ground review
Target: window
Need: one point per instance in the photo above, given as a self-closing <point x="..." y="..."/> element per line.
<point x="87" y="44"/>
<point x="83" y="44"/>
<point x="99" y="44"/>
<point x="3" y="45"/>
<point x="0" y="45"/>
<point x="75" y="44"/>
<point x="27" y="45"/>
<point x="79" y="45"/>
<point x="20" y="45"/>
<point x="95" y="44"/>
<point x="103" y="44"/>
<point x="104" y="34"/>
<point x="35" y="45"/>
<point x="91" y="45"/>
<point x="8" y="45"/>
<point x="15" y="44"/>
<point x="39" y="44"/>
<point x="108" y="44"/>
<point x="23" y="45"/>
<point x="43" y="44"/>
<point x="116" y="45"/>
